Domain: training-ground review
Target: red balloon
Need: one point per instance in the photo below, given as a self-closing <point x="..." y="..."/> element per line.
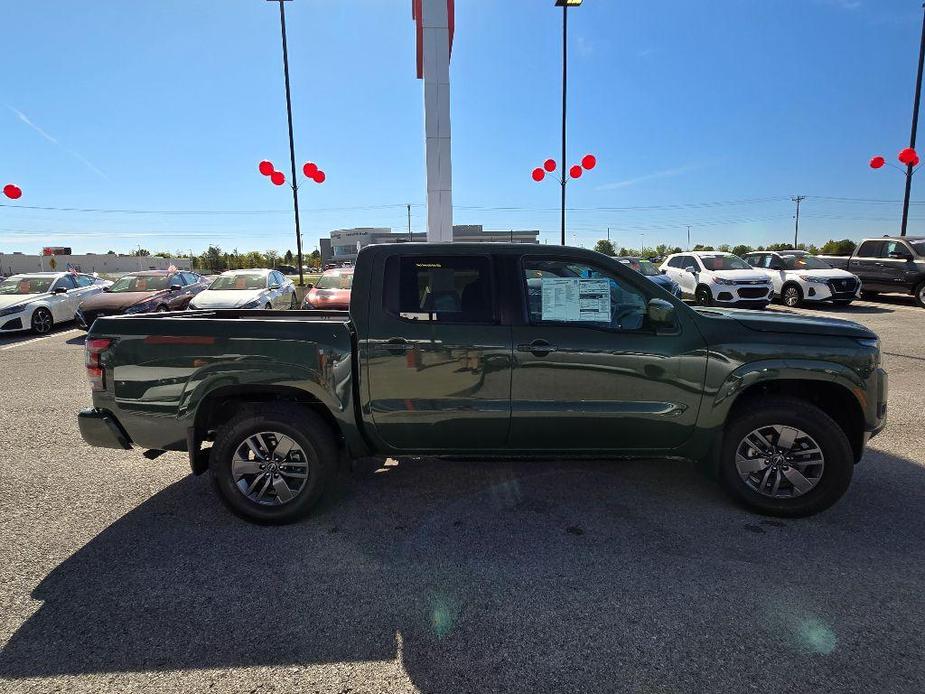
<point x="877" y="162"/>
<point x="310" y="169"/>
<point x="550" y="165"/>
<point x="589" y="161"/>
<point x="915" y="162"/>
<point x="575" y="171"/>
<point x="11" y="191"/>
<point x="266" y="167"/>
<point x="907" y="156"/>
<point x="538" y="174"/>
<point x="319" y="176"/>
<point x="278" y="178"/>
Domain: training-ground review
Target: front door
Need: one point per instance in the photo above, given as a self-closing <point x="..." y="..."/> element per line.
<point x="590" y="373"/>
<point x="438" y="359"/>
<point x="896" y="269"/>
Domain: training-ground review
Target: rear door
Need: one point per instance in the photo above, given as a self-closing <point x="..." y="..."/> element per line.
<point x="866" y="264"/>
<point x="590" y="373"/>
<point x="437" y="357"/>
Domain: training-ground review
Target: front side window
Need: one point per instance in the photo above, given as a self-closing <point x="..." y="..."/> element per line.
<point x="804" y="262"/>
<point x="190" y="277"/>
<point x="140" y="283"/>
<point x="451" y="289"/>
<point x="561" y="291"/>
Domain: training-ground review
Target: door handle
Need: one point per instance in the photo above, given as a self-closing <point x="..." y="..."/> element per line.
<point x="397" y="345"/>
<point x="539" y="348"/>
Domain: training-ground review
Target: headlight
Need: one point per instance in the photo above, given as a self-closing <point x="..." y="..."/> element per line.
<point x="140" y="308"/>
<point x="12" y="309"/>
<point x="252" y="304"/>
<point x="814" y="279"/>
<point x="719" y="280"/>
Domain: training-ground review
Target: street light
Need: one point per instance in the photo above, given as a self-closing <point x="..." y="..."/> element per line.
<point x="564" y="4"/>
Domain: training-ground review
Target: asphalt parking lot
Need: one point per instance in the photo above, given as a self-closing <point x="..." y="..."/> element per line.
<point x="121" y="574"/>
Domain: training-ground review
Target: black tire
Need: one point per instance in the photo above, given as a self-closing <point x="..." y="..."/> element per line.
<point x="161" y="309"/>
<point x="843" y="302"/>
<point x="268" y="307"/>
<point x="306" y="429"/>
<point x="791" y="295"/>
<point x="919" y="294"/>
<point x="42" y="321"/>
<point x="703" y="296"/>
<point x="789" y="412"/>
<point x="869" y="296"/>
<point x="293" y="302"/>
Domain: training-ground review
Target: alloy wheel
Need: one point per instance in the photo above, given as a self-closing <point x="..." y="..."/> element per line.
<point x="791" y="296"/>
<point x="779" y="461"/>
<point x="42" y="321"/>
<point x="269" y="468"/>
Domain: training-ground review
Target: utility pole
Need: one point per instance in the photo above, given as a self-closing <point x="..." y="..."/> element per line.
<point x="410" y="235"/>
<point x="796" y="229"/>
<point x="608" y="234"/>
<point x="688" y="236"/>
<point x="295" y="187"/>
<point x="915" y="125"/>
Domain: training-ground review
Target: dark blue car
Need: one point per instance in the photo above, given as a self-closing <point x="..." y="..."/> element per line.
<point x="649" y="270"/>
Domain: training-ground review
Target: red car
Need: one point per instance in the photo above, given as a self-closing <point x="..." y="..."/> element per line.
<point x="332" y="293"/>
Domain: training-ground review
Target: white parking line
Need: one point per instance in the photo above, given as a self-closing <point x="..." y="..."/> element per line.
<point x="38" y="339"/>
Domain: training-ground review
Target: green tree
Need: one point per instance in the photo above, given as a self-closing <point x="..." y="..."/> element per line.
<point x="725" y="248"/>
<point x="288" y="257"/>
<point x="272" y="258"/>
<point x="315" y="258"/>
<point x="605" y="246"/>
<point x="741" y="249"/>
<point x="213" y="259"/>
<point x="700" y="247"/>
<point x="138" y="252"/>
<point x="843" y="247"/>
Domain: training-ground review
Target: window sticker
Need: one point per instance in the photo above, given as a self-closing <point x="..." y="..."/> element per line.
<point x="575" y="299"/>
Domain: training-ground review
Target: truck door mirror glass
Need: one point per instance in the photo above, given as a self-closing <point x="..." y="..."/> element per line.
<point x="661" y="315"/>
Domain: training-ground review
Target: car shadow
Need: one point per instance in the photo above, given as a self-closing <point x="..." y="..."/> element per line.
<point x="26" y="335"/>
<point x="487" y="576"/>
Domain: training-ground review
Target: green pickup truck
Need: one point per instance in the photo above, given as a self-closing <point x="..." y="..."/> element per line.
<point x="490" y="350"/>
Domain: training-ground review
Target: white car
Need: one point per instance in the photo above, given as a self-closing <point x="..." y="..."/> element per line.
<point x="248" y="289"/>
<point x="36" y="301"/>
<point x="714" y="278"/>
<point x="799" y="277"/>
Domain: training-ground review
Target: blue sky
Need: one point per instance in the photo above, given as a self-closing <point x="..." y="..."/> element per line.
<point x="710" y="114"/>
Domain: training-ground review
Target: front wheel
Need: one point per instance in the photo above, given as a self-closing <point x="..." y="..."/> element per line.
<point x="869" y="296"/>
<point x="785" y="457"/>
<point x="293" y="302"/>
<point x="704" y="296"/>
<point x="920" y="295"/>
<point x="42" y="321"/>
<point x="791" y="296"/>
<point x="272" y="465"/>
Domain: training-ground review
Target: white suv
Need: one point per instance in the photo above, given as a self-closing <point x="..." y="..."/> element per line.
<point x="716" y="278"/>
<point x="799" y="277"/>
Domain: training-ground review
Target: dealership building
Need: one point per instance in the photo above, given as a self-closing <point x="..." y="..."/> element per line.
<point x="344" y="244"/>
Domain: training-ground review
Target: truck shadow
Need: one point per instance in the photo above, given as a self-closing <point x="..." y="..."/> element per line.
<point x="534" y="576"/>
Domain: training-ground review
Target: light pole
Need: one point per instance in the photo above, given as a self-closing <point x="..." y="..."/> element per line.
<point x="796" y="227"/>
<point x="295" y="187"/>
<point x="564" y="4"/>
<point x="915" y="125"/>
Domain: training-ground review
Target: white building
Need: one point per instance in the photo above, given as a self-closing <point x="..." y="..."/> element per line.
<point x="13" y="263"/>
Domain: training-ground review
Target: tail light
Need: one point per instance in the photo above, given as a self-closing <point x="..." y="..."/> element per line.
<point x="95" y="346"/>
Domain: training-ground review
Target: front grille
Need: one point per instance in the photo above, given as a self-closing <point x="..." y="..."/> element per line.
<point x="752" y="282"/>
<point x="843" y="288"/>
<point x="753" y="292"/>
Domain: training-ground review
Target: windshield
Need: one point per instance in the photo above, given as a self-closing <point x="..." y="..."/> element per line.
<point x="140" y="283"/>
<point x="724" y="262"/>
<point x="252" y="280"/>
<point x="338" y="280"/>
<point x="804" y="262"/>
<point x="26" y="285"/>
<point x="647" y="268"/>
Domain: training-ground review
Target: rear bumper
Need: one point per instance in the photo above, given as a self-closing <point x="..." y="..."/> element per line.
<point x="100" y="428"/>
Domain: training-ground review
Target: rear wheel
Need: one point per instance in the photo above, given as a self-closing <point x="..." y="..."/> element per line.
<point x="42" y="321"/>
<point x="272" y="465"/>
<point x="786" y="458"/>
<point x="293" y="302"/>
<point x="268" y="307"/>
<point x="791" y="295"/>
<point x="161" y="309"/>
<point x="704" y="296"/>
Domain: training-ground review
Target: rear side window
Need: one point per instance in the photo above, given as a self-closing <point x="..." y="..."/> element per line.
<point x="869" y="249"/>
<point x="84" y="280"/>
<point x="190" y="277"/>
<point x="67" y="282"/>
<point x="445" y="289"/>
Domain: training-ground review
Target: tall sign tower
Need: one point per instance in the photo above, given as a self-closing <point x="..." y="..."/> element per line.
<point x="434" y="22"/>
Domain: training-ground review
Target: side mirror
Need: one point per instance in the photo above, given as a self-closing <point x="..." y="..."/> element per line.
<point x="661" y="315"/>
<point x="691" y="269"/>
<point x="176" y="287"/>
<point x="275" y="285"/>
<point x="900" y="256"/>
<point x="60" y="290"/>
<point x="309" y="286"/>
